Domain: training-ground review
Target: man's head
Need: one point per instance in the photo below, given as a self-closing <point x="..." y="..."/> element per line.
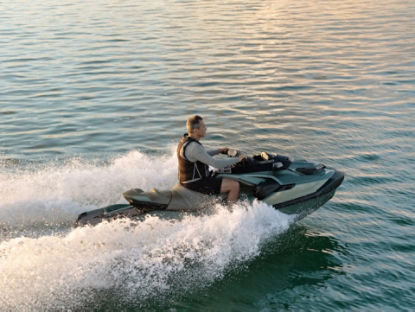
<point x="196" y="127"/>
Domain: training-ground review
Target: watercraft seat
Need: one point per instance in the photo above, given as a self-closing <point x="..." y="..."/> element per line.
<point x="311" y="170"/>
<point x="266" y="188"/>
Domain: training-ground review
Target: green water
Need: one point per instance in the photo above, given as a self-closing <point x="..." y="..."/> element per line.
<point x="94" y="96"/>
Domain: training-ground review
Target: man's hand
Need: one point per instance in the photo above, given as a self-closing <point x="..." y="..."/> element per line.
<point x="223" y="150"/>
<point x="242" y="158"/>
<point x="233" y="152"/>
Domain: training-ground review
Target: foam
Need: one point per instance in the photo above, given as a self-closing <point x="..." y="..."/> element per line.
<point x="68" y="267"/>
<point x="53" y="193"/>
<point x="140" y="259"/>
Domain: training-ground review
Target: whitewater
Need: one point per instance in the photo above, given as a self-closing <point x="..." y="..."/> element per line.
<point x="47" y="263"/>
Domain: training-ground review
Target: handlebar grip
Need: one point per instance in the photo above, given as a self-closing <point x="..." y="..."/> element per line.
<point x="233" y="153"/>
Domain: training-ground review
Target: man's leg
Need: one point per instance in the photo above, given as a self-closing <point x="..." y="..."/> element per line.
<point x="232" y="188"/>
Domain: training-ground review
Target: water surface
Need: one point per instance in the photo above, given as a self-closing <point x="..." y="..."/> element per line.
<point x="95" y="95"/>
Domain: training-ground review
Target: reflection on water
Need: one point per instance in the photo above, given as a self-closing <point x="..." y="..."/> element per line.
<point x="270" y="74"/>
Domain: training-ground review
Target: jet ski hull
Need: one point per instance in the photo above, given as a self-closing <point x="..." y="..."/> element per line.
<point x="109" y="213"/>
<point x="299" y="189"/>
<point x="305" y="205"/>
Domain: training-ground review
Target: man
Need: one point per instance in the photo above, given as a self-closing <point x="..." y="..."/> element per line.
<point x="194" y="162"/>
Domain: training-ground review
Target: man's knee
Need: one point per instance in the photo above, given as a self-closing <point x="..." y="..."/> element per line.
<point x="229" y="185"/>
<point x="235" y="185"/>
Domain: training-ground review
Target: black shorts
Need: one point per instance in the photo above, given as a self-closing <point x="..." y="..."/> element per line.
<point x="209" y="185"/>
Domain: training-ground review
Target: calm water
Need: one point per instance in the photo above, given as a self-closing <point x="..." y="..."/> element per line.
<point x="94" y="96"/>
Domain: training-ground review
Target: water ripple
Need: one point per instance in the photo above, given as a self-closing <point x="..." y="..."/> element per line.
<point x="326" y="81"/>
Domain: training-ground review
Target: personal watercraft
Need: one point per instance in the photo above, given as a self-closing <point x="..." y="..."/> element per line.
<point x="293" y="187"/>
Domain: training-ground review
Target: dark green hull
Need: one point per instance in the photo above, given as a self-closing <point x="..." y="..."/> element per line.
<point x="299" y="188"/>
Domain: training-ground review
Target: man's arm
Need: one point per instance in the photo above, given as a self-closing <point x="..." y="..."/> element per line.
<point x="196" y="152"/>
<point x="213" y="152"/>
<point x="222" y="150"/>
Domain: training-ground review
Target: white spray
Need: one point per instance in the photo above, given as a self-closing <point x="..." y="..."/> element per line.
<point x="139" y="259"/>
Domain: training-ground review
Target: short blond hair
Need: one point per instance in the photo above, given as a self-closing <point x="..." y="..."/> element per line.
<point x="193" y="123"/>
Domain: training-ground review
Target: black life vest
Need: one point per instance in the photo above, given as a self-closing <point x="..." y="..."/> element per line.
<point x="190" y="171"/>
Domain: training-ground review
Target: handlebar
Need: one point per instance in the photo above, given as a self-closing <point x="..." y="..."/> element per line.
<point x="233" y="152"/>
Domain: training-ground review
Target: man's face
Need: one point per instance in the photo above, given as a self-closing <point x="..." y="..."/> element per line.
<point x="202" y="129"/>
